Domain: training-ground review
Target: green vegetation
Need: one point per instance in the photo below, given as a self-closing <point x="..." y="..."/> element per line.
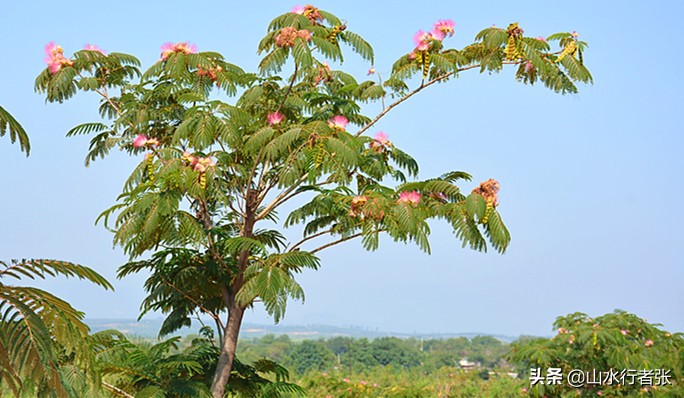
<point x="200" y="211"/>
<point x="44" y="345"/>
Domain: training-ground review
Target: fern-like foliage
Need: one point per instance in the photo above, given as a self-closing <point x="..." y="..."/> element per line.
<point x="39" y="330"/>
<point x="8" y="124"/>
<point x="166" y="369"/>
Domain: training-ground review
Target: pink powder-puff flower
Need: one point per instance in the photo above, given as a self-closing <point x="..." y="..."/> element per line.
<point x="648" y="343"/>
<point x="275" y="118"/>
<point x="541" y="38"/>
<point x="346" y="380"/>
<point x="371" y="70"/>
<point x="188" y="158"/>
<point x="422" y="40"/>
<point x="574" y="33"/>
<point x="381" y="138"/>
<point x="171" y="48"/>
<point x="624" y="332"/>
<point x="412" y="197"/>
<point x="338" y="122"/>
<point x="445" y="26"/>
<point x="299" y="9"/>
<point x="202" y="164"/>
<point x="140" y="141"/>
<point x="436" y="34"/>
<point x="529" y="67"/>
<point x="54" y="57"/>
<point x="92" y="47"/>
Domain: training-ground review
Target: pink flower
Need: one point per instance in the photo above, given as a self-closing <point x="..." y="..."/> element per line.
<point x="338" y="122"/>
<point x="275" y="118"/>
<point x="648" y="343"/>
<point x="575" y="34"/>
<point x="54" y="57"/>
<point x="524" y="389"/>
<point x="202" y="164"/>
<point x="92" y="47"/>
<point x="371" y="70"/>
<point x="171" y="48"/>
<point x="346" y="380"/>
<point x="298" y="10"/>
<point x="529" y="67"/>
<point x="562" y="330"/>
<point x="140" y="141"/>
<point x="422" y="40"/>
<point x="381" y="138"/>
<point x="412" y="197"/>
<point x="445" y="26"/>
<point x="541" y="38"/>
<point x="624" y="332"/>
<point x="187" y="157"/>
<point x="437" y="34"/>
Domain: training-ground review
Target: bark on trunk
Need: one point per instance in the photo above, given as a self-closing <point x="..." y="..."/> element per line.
<point x="225" y="361"/>
<point x="235" y="311"/>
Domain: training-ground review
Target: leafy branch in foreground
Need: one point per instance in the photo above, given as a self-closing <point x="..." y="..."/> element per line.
<point x="8" y="124"/>
<point x="204" y="201"/>
<point x="38" y="331"/>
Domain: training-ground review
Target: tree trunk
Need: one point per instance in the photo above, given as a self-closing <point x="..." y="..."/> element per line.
<point x="235" y="310"/>
<point x="225" y="361"/>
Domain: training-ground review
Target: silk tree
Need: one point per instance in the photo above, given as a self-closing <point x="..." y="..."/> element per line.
<point x="203" y="206"/>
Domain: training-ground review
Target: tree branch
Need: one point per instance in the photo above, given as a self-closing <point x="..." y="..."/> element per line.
<point x="308" y="238"/>
<point x="278" y="199"/>
<point x="211" y="314"/>
<point x="333" y="243"/>
<point x="419" y="89"/>
<point x="117" y="390"/>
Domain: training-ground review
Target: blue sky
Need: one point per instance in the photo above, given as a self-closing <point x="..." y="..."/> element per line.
<point x="589" y="182"/>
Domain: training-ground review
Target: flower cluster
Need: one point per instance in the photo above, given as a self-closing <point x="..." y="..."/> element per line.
<point x="142" y="141"/>
<point x="54" y="57"/>
<point x="412" y="197"/>
<point x="440" y="30"/>
<point x="288" y="35"/>
<point x="380" y="142"/>
<point x="366" y="208"/>
<point x="338" y="123"/>
<point x="172" y="48"/>
<point x="274" y="118"/>
<point x="489" y="190"/>
<point x="210" y="72"/>
<point x="198" y="163"/>
<point x="356" y="205"/>
<point x="324" y="74"/>
<point x="310" y="12"/>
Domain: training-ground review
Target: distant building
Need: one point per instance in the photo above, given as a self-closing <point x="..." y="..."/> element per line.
<point x="467" y="365"/>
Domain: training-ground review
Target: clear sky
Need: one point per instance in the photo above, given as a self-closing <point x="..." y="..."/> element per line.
<point x="591" y="184"/>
